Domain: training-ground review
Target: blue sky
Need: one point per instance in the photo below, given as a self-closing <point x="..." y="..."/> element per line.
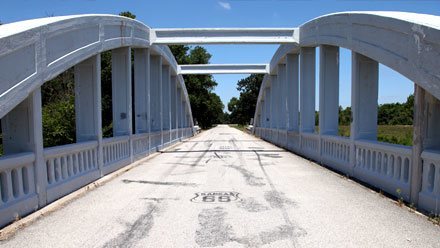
<point x="234" y="13"/>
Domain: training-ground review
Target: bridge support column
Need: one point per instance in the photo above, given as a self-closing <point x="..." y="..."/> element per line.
<point x="156" y="97"/>
<point x="292" y="77"/>
<point x="282" y="89"/>
<point x="269" y="114"/>
<point x="364" y="95"/>
<point x="121" y="94"/>
<point x="419" y="133"/>
<point x="173" y="111"/>
<point x="307" y="90"/>
<point x="142" y="90"/>
<point x="166" y="102"/>
<point x="426" y="135"/>
<point x="179" y="112"/>
<point x="23" y="132"/>
<point x="274" y="108"/>
<point x="329" y="90"/>
<point x="88" y="103"/>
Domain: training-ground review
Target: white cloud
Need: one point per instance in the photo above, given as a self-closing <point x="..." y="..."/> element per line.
<point x="225" y="5"/>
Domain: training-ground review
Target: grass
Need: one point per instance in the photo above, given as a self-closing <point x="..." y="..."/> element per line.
<point x="395" y="134"/>
<point x="239" y="127"/>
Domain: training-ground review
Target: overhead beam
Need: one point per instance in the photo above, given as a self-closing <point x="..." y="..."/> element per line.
<point x="224" y="69"/>
<point x="187" y="36"/>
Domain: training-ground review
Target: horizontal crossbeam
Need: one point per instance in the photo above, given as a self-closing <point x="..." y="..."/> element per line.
<point x="224" y="36"/>
<point x="224" y="69"/>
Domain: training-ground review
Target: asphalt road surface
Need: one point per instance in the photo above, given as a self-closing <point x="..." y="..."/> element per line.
<point x="225" y="188"/>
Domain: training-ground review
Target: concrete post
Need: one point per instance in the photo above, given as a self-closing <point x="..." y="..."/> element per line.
<point x="282" y="96"/>
<point x="141" y="89"/>
<point x="17" y="129"/>
<point x="419" y="133"/>
<point x="268" y="101"/>
<point x="292" y="80"/>
<point x="173" y="111"/>
<point x="307" y="90"/>
<point x="121" y="93"/>
<point x="23" y="132"/>
<point x="156" y="93"/>
<point x="364" y="94"/>
<point x="274" y="102"/>
<point x="329" y="90"/>
<point x="262" y="120"/>
<point x="88" y="105"/>
<point x="166" y="102"/>
<point x="179" y="111"/>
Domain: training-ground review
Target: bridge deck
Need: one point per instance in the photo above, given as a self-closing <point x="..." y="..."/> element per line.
<point x="284" y="201"/>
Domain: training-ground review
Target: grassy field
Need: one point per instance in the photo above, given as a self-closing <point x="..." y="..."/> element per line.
<point x="395" y="134"/>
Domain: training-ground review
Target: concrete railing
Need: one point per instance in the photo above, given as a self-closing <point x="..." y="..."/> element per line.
<point x="385" y="166"/>
<point x="141" y="144"/>
<point x="17" y="186"/>
<point x="69" y="167"/>
<point x="430" y="194"/>
<point x="335" y="150"/>
<point x="116" y="153"/>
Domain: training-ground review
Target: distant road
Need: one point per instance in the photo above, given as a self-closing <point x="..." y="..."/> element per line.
<point x="227" y="188"/>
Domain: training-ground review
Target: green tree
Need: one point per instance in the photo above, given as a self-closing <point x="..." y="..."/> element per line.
<point x="242" y="109"/>
<point x="128" y="14"/>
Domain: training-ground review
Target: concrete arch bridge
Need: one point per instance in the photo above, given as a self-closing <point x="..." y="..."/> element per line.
<point x="155" y="99"/>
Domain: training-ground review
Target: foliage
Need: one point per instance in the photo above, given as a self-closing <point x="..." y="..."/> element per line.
<point x="58" y="102"/>
<point x="128" y="14"/>
<point x="206" y="106"/>
<point x="242" y="109"/>
<point x="396" y="113"/>
<point x="388" y="114"/>
<point x="59" y="122"/>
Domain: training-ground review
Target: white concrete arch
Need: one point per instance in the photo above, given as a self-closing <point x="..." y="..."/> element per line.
<point x="409" y="43"/>
<point x="49" y="46"/>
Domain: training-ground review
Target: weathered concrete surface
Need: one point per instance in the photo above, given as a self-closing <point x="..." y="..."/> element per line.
<point x="286" y="201"/>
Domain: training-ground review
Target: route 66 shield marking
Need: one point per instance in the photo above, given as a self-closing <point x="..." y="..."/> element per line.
<point x="216" y="197"/>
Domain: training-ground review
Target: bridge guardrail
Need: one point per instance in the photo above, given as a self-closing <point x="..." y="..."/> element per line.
<point x="386" y="166"/>
<point x="116" y="153"/>
<point x="69" y="167"/>
<point x="430" y="193"/>
<point x="17" y="186"/>
<point x="335" y="152"/>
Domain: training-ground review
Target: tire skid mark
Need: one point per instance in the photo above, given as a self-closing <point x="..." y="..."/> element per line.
<point x="277" y="200"/>
<point x="215" y="231"/>
<point x="249" y="176"/>
<point x="137" y="230"/>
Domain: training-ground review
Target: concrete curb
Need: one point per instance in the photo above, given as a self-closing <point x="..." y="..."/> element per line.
<point x="11" y="229"/>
